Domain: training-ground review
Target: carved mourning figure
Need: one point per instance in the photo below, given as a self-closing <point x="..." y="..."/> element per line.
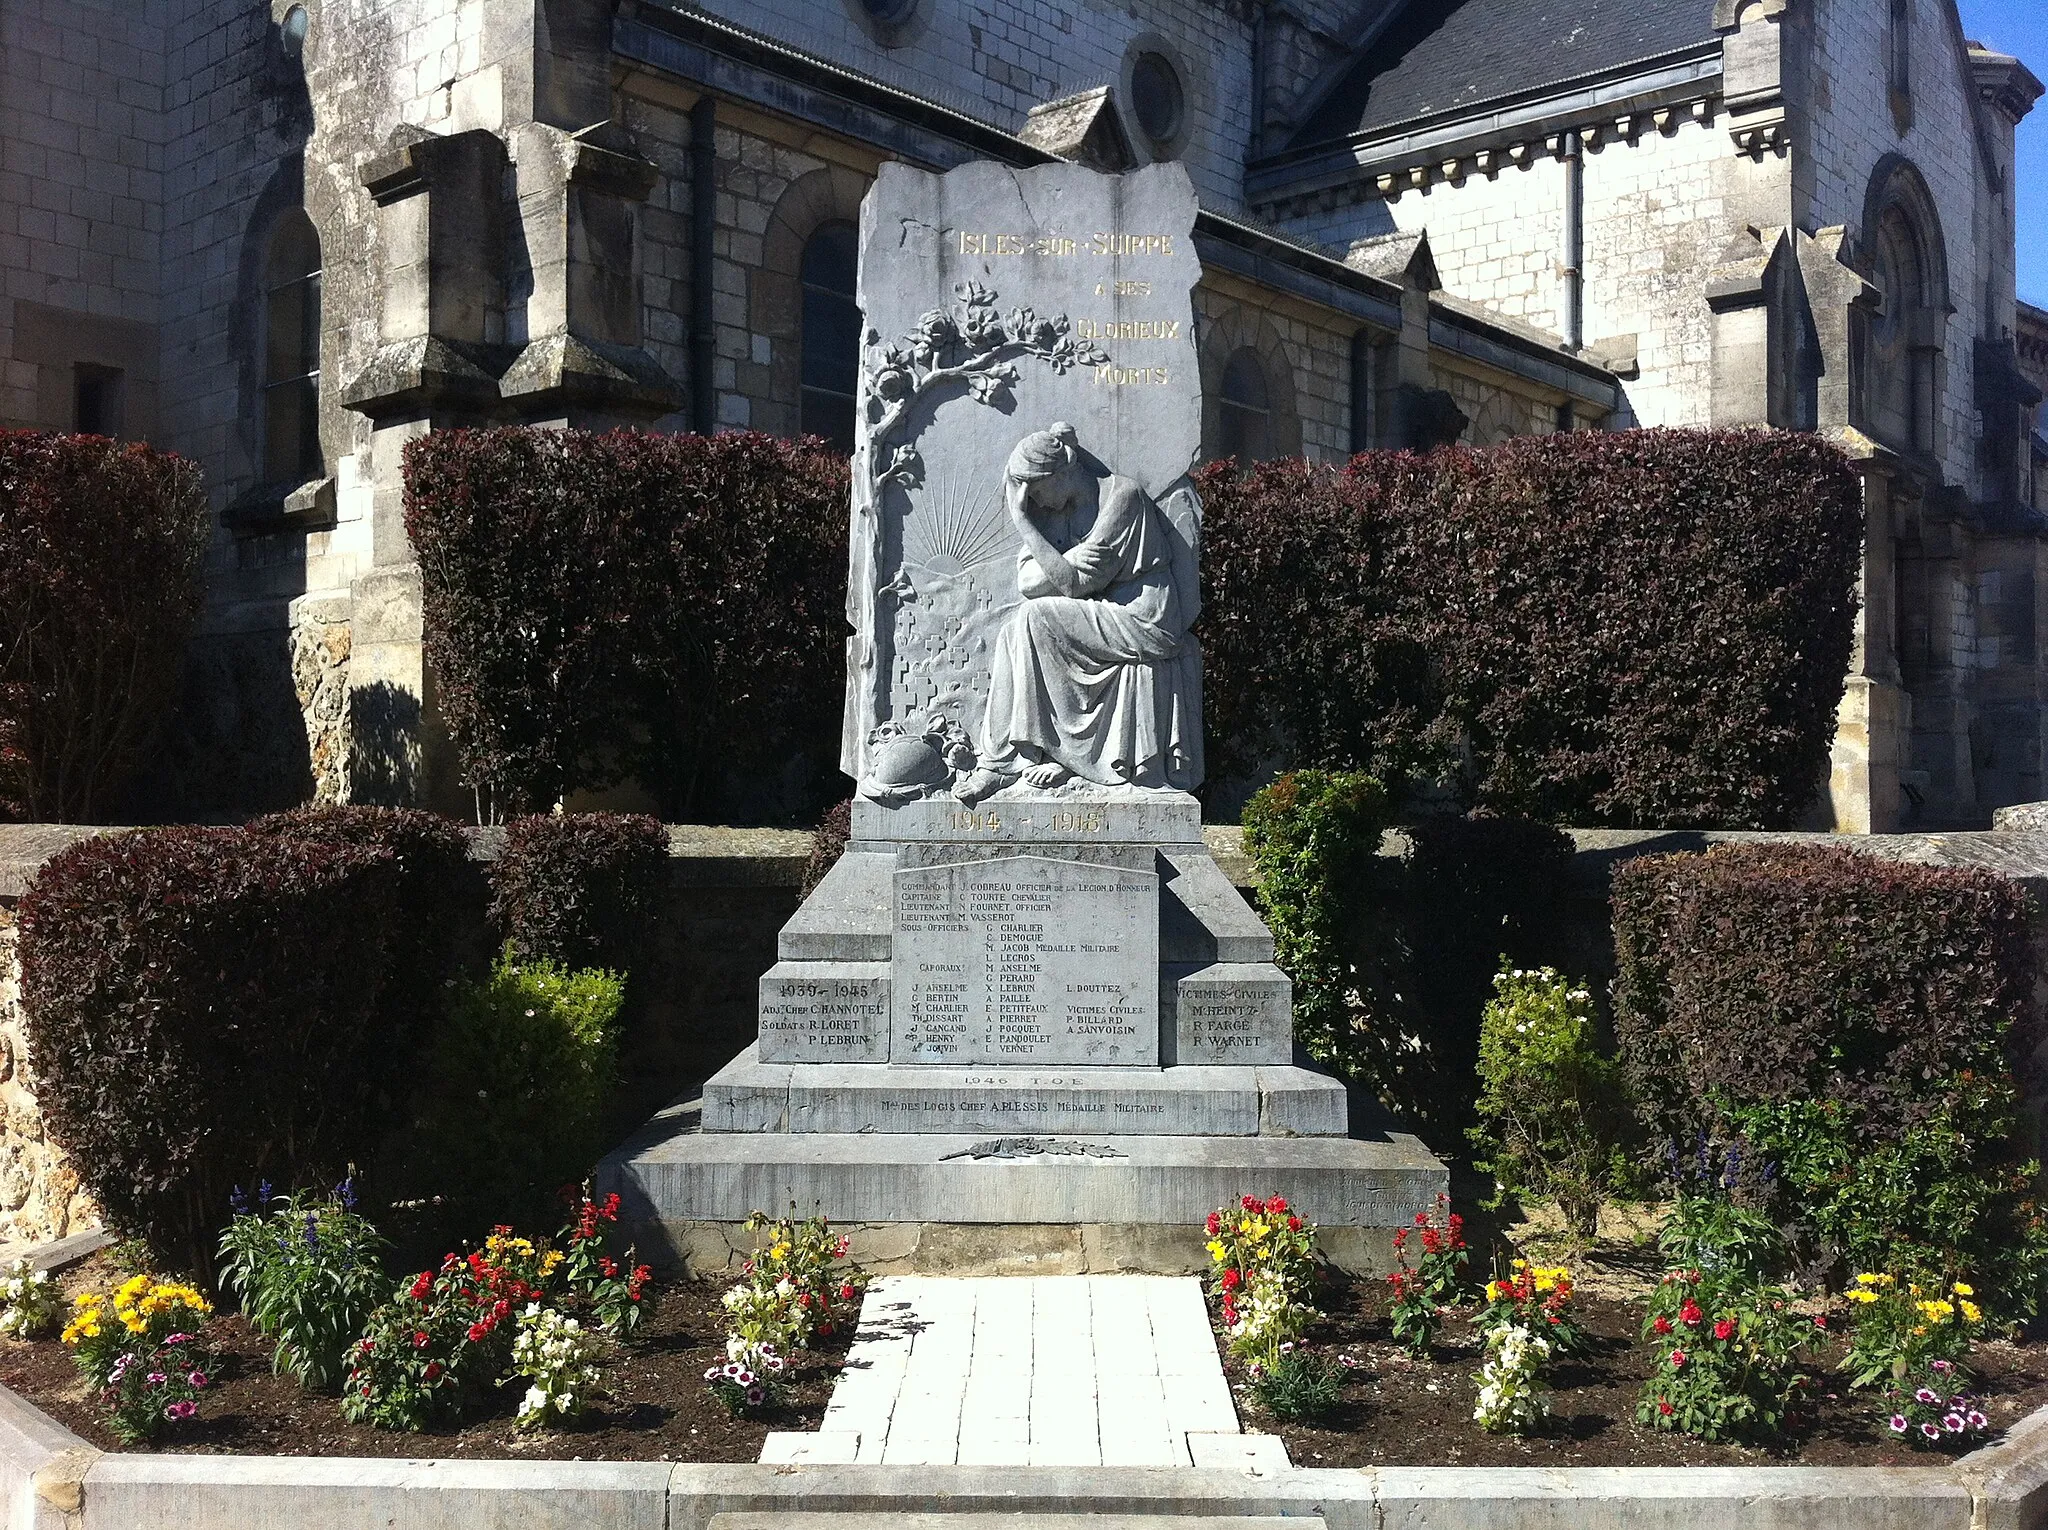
<point x="1093" y="675"/>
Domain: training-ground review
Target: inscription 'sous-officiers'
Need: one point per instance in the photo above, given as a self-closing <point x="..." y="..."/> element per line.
<point x="1025" y="961"/>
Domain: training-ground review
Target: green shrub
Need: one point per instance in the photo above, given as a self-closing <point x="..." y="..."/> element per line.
<point x="1854" y="1028"/>
<point x="307" y="1272"/>
<point x="514" y="1099"/>
<point x="1313" y="835"/>
<point x="207" y="1004"/>
<point x="1299" y="1384"/>
<point x="1552" y="1109"/>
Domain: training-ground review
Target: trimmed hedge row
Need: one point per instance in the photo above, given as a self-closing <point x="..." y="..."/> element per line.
<point x="101" y="549"/>
<point x="1640" y="628"/>
<point x="207" y="1007"/>
<point x="669" y="609"/>
<point x="1856" y="1030"/>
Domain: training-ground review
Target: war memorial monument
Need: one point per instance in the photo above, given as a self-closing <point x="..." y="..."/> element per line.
<point x="1025" y="1021"/>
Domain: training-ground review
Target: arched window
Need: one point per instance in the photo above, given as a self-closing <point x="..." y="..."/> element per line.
<point x="831" y="333"/>
<point x="1245" y="414"/>
<point x="291" y="352"/>
<point x="1902" y="371"/>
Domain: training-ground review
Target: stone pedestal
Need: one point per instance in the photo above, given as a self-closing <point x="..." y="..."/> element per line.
<point x="1045" y="1012"/>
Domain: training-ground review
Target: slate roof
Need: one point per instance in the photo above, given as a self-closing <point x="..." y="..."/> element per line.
<point x="1440" y="55"/>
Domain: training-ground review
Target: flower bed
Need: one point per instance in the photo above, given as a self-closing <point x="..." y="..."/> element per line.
<point x="1397" y="1410"/>
<point x="658" y="1407"/>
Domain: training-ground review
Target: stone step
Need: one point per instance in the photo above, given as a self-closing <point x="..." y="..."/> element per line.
<point x="685" y="1191"/>
<point x="752" y="1097"/>
<point x="896" y="1519"/>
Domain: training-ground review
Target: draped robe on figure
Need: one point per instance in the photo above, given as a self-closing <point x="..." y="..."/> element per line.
<point x="1106" y="682"/>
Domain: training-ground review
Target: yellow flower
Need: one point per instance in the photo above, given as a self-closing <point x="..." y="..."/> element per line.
<point x="1937" y="1311"/>
<point x="1964" y="1290"/>
<point x="1216" y="1250"/>
<point x="1258" y="1231"/>
<point x="1494" y="1290"/>
<point x="1971" y="1311"/>
<point x="549" y="1260"/>
<point x="1866" y="1279"/>
<point x="1863" y="1294"/>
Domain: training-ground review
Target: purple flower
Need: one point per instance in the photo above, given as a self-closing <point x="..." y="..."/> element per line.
<point x="263" y="1192"/>
<point x="238" y="1201"/>
<point x="181" y="1409"/>
<point x="1898" y="1423"/>
<point x="756" y="1396"/>
<point x="178" y="1338"/>
<point x="1953" y="1423"/>
<point x="312" y="1231"/>
<point x="1927" y="1395"/>
<point x="1978" y="1420"/>
<point x="156" y="1378"/>
<point x="1932" y="1431"/>
<point x="345" y="1192"/>
<point x="714" y="1374"/>
<point x="733" y="1370"/>
<point x="198" y="1379"/>
<point x="1941" y="1367"/>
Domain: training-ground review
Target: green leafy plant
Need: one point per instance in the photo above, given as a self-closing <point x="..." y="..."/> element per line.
<point x="518" y="1077"/>
<point x="1420" y="1292"/>
<point x="1313" y="835"/>
<point x="1898" y="1327"/>
<point x="29" y="1307"/>
<point x="1728" y="1353"/>
<point x="611" y="1288"/>
<point x="1298" y="1383"/>
<point x="561" y="1360"/>
<point x="1552" y="1109"/>
<point x="143" y="1353"/>
<point x="794" y="1288"/>
<point x="1512" y="1396"/>
<point x="306" y="1268"/>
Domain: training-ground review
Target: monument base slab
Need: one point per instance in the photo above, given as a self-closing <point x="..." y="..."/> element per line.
<point x="1061" y="1204"/>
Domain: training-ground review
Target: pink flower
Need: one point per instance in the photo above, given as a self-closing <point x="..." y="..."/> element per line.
<point x="181" y="1409"/>
<point x="198" y="1379"/>
<point x="1677" y="1358"/>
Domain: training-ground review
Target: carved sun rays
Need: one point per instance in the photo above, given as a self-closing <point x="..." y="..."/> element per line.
<point x="957" y="522"/>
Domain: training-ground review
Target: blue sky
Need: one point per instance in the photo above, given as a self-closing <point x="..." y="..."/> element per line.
<point x="2021" y="27"/>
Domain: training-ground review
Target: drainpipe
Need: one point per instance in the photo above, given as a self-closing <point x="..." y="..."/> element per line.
<point x="1574" y="242"/>
<point x="703" y="219"/>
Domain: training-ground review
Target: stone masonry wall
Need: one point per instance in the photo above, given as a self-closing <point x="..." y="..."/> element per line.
<point x="39" y="1195"/>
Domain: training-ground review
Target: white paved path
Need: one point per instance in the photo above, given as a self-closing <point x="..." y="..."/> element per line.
<point x="1075" y="1370"/>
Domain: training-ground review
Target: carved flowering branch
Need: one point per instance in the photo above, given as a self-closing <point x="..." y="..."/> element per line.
<point x="970" y="344"/>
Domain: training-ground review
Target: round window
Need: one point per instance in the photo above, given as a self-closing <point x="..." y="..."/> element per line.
<point x="889" y="12"/>
<point x="293" y="28"/>
<point x="1157" y="97"/>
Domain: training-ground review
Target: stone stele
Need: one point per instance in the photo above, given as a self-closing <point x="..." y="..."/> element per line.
<point x="999" y="304"/>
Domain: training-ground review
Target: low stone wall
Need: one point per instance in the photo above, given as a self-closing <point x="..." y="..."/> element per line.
<point x="39" y="1195"/>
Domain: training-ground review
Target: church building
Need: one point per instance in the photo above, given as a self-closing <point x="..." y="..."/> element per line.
<point x="287" y="238"/>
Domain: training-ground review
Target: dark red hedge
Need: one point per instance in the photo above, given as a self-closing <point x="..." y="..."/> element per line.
<point x="581" y="889"/>
<point x="207" y="1005"/>
<point x="101" y="548"/>
<point x="1639" y="628"/>
<point x="605" y="606"/>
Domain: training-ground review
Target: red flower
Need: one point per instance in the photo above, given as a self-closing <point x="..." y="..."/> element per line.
<point x="1664" y="1407"/>
<point x="1821" y="1322"/>
<point x="1662" y="1325"/>
<point x="824" y="1328"/>
<point x="1689" y="1314"/>
<point x="1277" y="1203"/>
<point x="423" y="1285"/>
<point x="1231" y="1279"/>
<point x="1294" y="1224"/>
<point x="846" y="1293"/>
<point x="477" y="1331"/>
<point x="1215" y="1223"/>
<point x="419" y="1339"/>
<point x="1725" y="1328"/>
<point x="1250" y="1203"/>
<point x="610" y="1266"/>
<point x="1677" y="1358"/>
<point x="433" y="1374"/>
<point x="1422" y="1219"/>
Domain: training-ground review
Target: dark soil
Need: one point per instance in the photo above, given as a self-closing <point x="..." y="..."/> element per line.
<point x="1398" y="1411"/>
<point x="660" y="1409"/>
